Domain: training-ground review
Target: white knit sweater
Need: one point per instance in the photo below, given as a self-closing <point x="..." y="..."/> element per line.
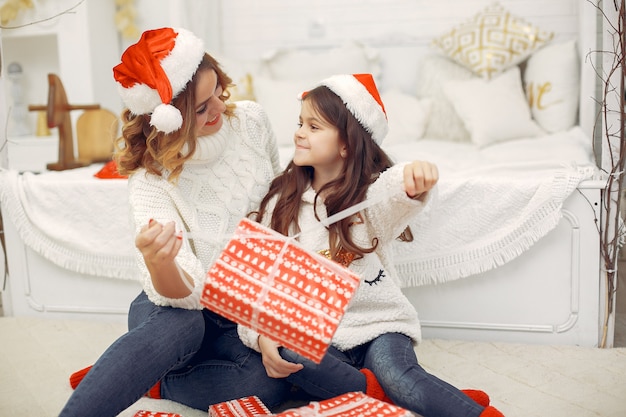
<point x="228" y="175"/>
<point x="378" y="306"/>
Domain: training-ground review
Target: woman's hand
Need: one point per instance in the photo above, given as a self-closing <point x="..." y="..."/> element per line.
<point x="275" y="365"/>
<point x="419" y="178"/>
<point x="159" y="244"/>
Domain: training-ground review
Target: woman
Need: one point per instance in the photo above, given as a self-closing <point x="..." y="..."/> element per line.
<point x="196" y="165"/>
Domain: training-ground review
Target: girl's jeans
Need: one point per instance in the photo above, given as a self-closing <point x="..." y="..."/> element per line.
<point x="196" y="354"/>
<point x="392" y="359"/>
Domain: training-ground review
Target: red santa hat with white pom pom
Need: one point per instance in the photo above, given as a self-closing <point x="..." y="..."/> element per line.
<point x="155" y="70"/>
<point x="360" y="95"/>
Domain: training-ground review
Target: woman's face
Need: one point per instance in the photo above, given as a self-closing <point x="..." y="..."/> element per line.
<point x="209" y="106"/>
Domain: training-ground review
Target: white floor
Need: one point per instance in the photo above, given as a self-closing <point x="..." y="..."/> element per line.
<point x="37" y="356"/>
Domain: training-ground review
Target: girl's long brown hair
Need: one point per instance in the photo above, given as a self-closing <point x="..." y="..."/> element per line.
<point x="364" y="162"/>
<point x="141" y="145"/>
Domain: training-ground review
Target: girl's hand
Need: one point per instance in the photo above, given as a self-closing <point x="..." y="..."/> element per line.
<point x="419" y="178"/>
<point x="275" y="365"/>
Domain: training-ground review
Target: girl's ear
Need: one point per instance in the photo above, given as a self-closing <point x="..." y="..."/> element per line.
<point x="344" y="152"/>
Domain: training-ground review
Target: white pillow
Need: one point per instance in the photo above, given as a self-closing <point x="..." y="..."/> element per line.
<point x="407" y="116"/>
<point x="240" y="72"/>
<point x="552" y="80"/>
<point x="493" y="110"/>
<point x="433" y="72"/>
<point x="281" y="103"/>
<point x="296" y="64"/>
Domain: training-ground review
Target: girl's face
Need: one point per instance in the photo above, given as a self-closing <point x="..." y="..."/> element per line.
<point x="318" y="145"/>
<point x="209" y="106"/>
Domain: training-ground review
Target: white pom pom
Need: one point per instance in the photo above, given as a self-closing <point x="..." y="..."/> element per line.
<point x="166" y="118"/>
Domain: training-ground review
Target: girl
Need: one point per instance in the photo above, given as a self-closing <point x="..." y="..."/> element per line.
<point x="196" y="164"/>
<point x="338" y="163"/>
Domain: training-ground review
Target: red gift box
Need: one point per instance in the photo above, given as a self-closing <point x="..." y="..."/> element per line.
<point x="243" y="407"/>
<point x="352" y="404"/>
<point x="267" y="282"/>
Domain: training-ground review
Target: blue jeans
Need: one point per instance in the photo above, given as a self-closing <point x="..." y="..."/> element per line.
<point x="196" y="354"/>
<point x="392" y="359"/>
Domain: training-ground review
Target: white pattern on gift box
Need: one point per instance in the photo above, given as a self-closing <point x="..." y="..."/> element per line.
<point x="146" y="413"/>
<point x="350" y="404"/>
<point x="267" y="282"/>
<point x="243" y="407"/>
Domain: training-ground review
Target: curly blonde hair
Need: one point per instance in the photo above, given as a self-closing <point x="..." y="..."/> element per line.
<point x="143" y="146"/>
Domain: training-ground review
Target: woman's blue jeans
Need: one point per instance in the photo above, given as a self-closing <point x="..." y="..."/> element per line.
<point x="196" y="354"/>
<point x="392" y="359"/>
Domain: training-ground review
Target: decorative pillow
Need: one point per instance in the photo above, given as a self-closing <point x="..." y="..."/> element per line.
<point x="109" y="171"/>
<point x="241" y="72"/>
<point x="492" y="41"/>
<point x="552" y="83"/>
<point x="493" y="110"/>
<point x="296" y="64"/>
<point x="432" y="73"/>
<point x="281" y="103"/>
<point x="407" y="116"/>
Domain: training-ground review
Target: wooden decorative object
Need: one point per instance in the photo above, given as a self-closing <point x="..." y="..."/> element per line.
<point x="58" y="115"/>
<point x="96" y="131"/>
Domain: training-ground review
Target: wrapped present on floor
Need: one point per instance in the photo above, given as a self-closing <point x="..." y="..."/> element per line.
<point x="243" y="407"/>
<point x="352" y="404"/>
<point x="267" y="282"/>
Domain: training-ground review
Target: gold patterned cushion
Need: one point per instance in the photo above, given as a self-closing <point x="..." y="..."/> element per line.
<point x="492" y="41"/>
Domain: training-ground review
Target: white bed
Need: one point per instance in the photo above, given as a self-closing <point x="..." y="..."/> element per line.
<point x="509" y="253"/>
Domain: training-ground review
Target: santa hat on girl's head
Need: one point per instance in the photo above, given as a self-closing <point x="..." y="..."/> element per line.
<point x="361" y="97"/>
<point x="155" y="70"/>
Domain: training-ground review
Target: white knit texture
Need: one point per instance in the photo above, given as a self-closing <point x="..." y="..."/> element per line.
<point x="209" y="199"/>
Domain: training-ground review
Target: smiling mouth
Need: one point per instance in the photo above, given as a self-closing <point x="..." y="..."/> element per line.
<point x="213" y="122"/>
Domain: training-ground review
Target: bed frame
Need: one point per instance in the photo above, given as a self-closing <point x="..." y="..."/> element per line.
<point x="551" y="294"/>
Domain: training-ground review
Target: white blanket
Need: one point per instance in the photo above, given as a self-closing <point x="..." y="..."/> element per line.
<point x="73" y="219"/>
<point x="491" y="208"/>
<point x="479" y="223"/>
<point x="494" y="203"/>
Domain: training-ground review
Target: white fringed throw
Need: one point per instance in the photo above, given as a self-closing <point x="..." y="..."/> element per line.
<point x="73" y="219"/>
<point x="490" y="209"/>
<point x="483" y="219"/>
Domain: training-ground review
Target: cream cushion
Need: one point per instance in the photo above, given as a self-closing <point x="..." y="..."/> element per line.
<point x="280" y="100"/>
<point x="552" y="83"/>
<point x="434" y="71"/>
<point x="493" y="110"/>
<point x="407" y="116"/>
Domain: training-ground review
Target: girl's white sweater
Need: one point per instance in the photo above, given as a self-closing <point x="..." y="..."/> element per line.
<point x="378" y="306"/>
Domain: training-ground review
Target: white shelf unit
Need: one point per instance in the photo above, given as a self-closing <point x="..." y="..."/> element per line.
<point x="32" y="153"/>
<point x="80" y="46"/>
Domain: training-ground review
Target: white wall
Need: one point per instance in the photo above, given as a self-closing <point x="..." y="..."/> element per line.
<point x="245" y="30"/>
